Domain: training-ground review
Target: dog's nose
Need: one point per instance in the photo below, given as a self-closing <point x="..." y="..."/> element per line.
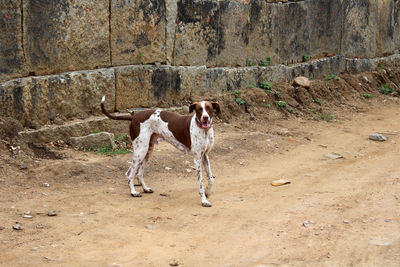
<point x="206" y="118"/>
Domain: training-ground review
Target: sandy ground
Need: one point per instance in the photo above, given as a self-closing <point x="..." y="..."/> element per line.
<point x="343" y="212"/>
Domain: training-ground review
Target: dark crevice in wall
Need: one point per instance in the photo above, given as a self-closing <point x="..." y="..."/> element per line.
<point x="110" y="31"/>
<point x="22" y="33"/>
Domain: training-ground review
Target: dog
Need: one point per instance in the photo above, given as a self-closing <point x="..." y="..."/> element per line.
<point x="193" y="134"/>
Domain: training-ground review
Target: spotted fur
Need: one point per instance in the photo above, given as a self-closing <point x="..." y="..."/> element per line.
<point x="193" y="134"/>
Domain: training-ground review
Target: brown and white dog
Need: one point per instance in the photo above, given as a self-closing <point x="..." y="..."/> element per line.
<point x="192" y="134"/>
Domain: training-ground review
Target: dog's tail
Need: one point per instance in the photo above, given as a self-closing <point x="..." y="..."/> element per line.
<point x="124" y="117"/>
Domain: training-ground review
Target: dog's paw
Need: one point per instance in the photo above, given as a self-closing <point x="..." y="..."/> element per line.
<point x="148" y="190"/>
<point x="136" y="194"/>
<point x="206" y="203"/>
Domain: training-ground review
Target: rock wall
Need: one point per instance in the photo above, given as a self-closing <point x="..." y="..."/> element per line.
<point x="59" y="57"/>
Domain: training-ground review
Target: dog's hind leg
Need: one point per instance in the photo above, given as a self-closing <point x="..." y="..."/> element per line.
<point x="140" y="149"/>
<point x="140" y="173"/>
<point x="207" y="167"/>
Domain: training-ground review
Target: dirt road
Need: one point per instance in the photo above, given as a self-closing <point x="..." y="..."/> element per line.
<point x="343" y="212"/>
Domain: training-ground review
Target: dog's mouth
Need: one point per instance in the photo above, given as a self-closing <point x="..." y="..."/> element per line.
<point x="205" y="124"/>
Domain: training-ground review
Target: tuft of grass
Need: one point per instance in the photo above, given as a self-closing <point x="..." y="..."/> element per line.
<point x="266" y="62"/>
<point x="237" y="93"/>
<point x="140" y="58"/>
<point x="108" y="151"/>
<point x="331" y="77"/>
<point x="281" y="104"/>
<point x="251" y="64"/>
<point x="95" y="131"/>
<point x="367" y="96"/>
<point x="240" y="101"/>
<point x="327" y="117"/>
<point x="387" y="90"/>
<point x="306" y="57"/>
<point x="318" y="101"/>
<point x="266" y="86"/>
<point x="390" y="75"/>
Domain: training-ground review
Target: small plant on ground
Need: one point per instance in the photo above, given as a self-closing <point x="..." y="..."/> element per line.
<point x="367" y="96"/>
<point x="266" y="86"/>
<point x="266" y="62"/>
<point x="95" y="131"/>
<point x="386" y="89"/>
<point x="251" y="64"/>
<point x="277" y="93"/>
<point x="390" y="75"/>
<point x="281" y="104"/>
<point x="306" y="57"/>
<point x="331" y="77"/>
<point x="318" y="101"/>
<point x="240" y="101"/>
<point x="328" y="117"/>
<point x="237" y="93"/>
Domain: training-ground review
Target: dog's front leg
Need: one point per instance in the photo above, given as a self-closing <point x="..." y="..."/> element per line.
<point x="211" y="178"/>
<point x="197" y="164"/>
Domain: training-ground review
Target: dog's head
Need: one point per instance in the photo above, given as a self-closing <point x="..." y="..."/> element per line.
<point x="204" y="113"/>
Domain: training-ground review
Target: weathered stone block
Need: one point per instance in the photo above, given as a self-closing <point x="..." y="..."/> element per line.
<point x="359" y="28"/>
<point x="292" y="24"/>
<point x="133" y="85"/>
<point x="325" y="17"/>
<point x="197" y="33"/>
<point x="41" y="99"/>
<point x="94" y="140"/>
<point x="262" y="38"/>
<point x="12" y="63"/>
<point x="138" y="31"/>
<point x="78" y="128"/>
<point x="385" y="31"/>
<point x="166" y="87"/>
<point x="233" y="33"/>
<point x="66" y="35"/>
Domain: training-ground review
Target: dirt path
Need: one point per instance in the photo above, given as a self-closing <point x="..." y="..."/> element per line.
<point x="343" y="212"/>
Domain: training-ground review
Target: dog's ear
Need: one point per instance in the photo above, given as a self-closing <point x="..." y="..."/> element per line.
<point x="192" y="107"/>
<point x="216" y="107"/>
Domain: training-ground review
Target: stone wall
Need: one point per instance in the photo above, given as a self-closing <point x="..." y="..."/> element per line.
<point x="59" y="57"/>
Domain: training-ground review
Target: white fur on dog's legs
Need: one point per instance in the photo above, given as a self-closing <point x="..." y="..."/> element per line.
<point x="211" y="178"/>
<point x="197" y="164"/>
<point x="141" y="171"/>
<point x="130" y="174"/>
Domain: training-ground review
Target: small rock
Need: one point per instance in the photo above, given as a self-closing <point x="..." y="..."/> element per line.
<point x="388" y="220"/>
<point x="237" y="199"/>
<point x="58" y="121"/>
<point x="174" y="263"/>
<point x="168" y="168"/>
<point x="164" y="195"/>
<point x="302" y="81"/>
<point x="34" y="248"/>
<point x="111" y="190"/>
<point x="23" y="167"/>
<point x="308" y="223"/>
<point x="2" y="228"/>
<point x="51" y="213"/>
<point x="381" y="242"/>
<point x="377" y="137"/>
<point x="150" y="227"/>
<point x="17" y="227"/>
<point x="46" y="184"/>
<point x="27" y="216"/>
<point x="241" y="163"/>
<point x="346" y="221"/>
<point x="188" y="170"/>
<point x="333" y="155"/>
